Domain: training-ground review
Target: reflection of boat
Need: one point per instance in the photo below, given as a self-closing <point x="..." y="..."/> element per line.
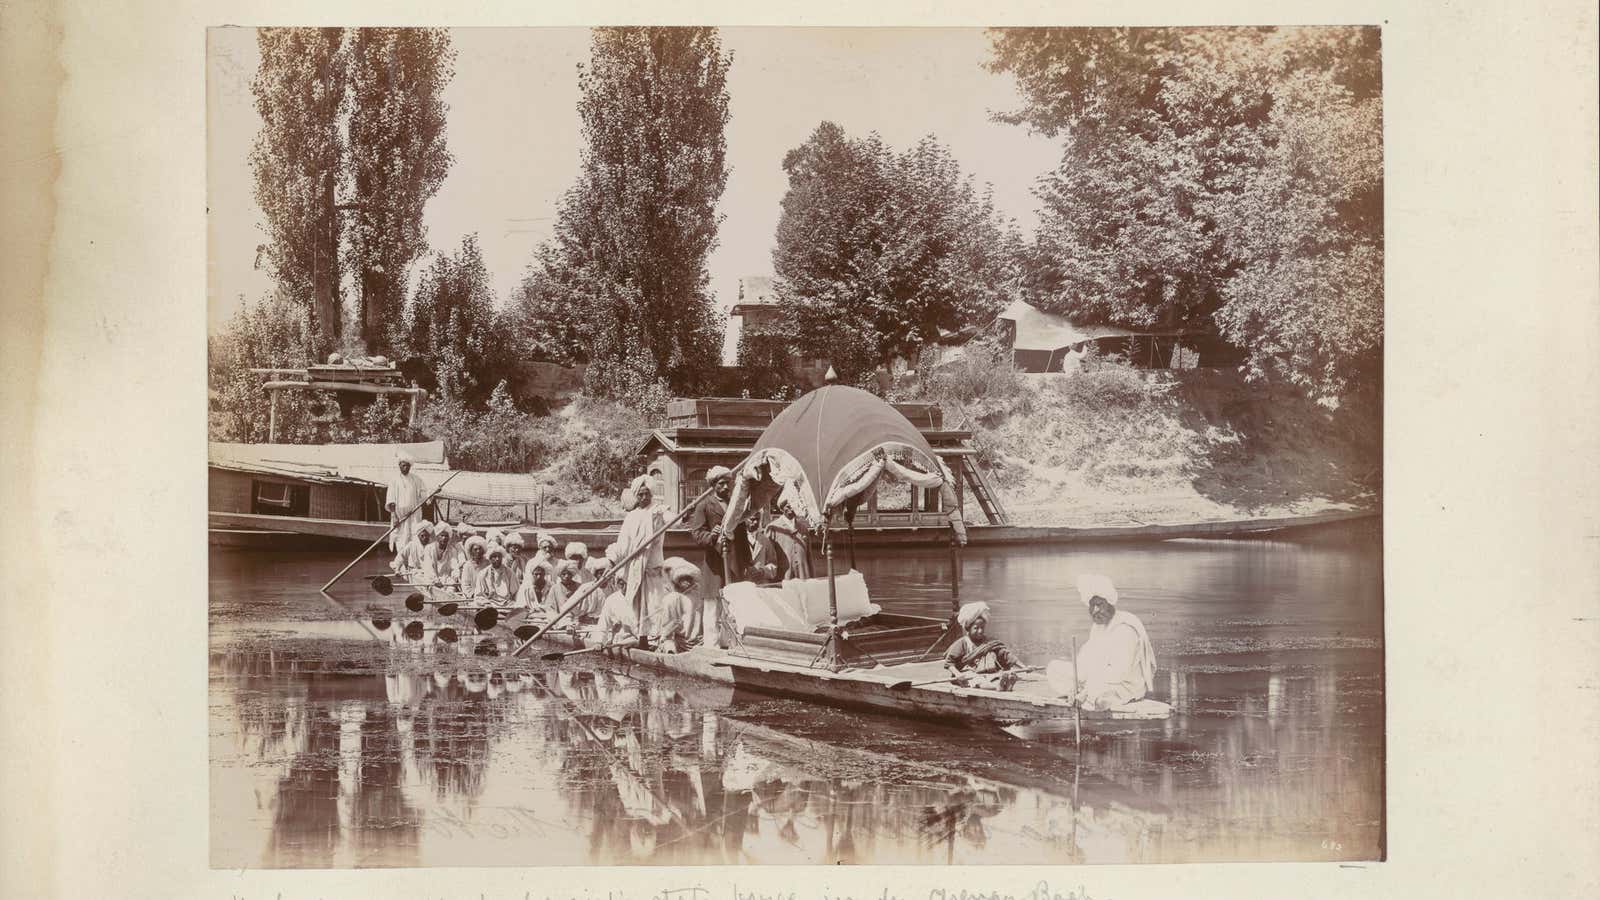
<point x="819" y="458"/>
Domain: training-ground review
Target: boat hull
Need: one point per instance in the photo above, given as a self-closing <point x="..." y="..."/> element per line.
<point x="861" y="689"/>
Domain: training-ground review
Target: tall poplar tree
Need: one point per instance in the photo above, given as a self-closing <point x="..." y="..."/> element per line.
<point x="627" y="265"/>
<point x="352" y="145"/>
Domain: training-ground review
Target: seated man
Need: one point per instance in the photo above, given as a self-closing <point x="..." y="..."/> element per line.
<point x="671" y="614"/>
<point x="989" y="663"/>
<point x="414" y="558"/>
<point x="494" y="583"/>
<point x="1117" y="665"/>
<point x="618" y="624"/>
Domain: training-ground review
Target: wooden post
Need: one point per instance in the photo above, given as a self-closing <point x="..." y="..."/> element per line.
<point x="411" y="423"/>
<point x="955" y="576"/>
<point x="833" y="596"/>
<point x="272" y="417"/>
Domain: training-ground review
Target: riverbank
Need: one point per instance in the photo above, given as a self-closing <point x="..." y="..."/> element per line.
<point x="1119" y="446"/>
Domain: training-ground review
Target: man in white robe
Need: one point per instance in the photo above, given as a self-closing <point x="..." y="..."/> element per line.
<point x="403" y="498"/>
<point x="1117" y="665"/>
<point x="646" y="583"/>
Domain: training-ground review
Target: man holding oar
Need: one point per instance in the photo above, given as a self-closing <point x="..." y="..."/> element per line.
<point x="1117" y="665"/>
<point x="404" y="493"/>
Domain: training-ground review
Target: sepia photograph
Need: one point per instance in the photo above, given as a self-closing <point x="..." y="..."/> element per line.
<point x="721" y="446"/>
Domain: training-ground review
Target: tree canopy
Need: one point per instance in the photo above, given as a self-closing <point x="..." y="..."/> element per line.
<point x="878" y="253"/>
<point x="623" y="283"/>
<point x="1213" y="178"/>
<point x="451" y="324"/>
<point x="352" y="145"/>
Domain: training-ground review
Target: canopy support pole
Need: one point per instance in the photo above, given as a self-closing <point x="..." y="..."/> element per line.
<point x="833" y="600"/>
<point x="955" y="576"/>
<point x="850" y="534"/>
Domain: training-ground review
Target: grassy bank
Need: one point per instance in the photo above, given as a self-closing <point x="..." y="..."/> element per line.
<point x="1116" y="446"/>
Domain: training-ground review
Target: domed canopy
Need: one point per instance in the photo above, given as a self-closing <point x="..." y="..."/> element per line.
<point x="824" y="449"/>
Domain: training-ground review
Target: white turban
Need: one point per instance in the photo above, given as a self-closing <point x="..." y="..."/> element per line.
<point x="598" y="564"/>
<point x="715" y="472"/>
<point x="495" y="547"/>
<point x="514" y="539"/>
<point x="476" y="541"/>
<point x="677" y="567"/>
<point x="494" y="536"/>
<point x="404" y="456"/>
<point x="576" y="548"/>
<point x="566" y="565"/>
<point x="542" y="537"/>
<point x="1091" y="586"/>
<point x="971" y="612"/>
<point x="424" y="525"/>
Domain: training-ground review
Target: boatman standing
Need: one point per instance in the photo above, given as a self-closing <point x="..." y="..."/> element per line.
<point x="1117" y="665"/>
<point x="403" y="497"/>
<point x="705" y="524"/>
<point x="646" y="583"/>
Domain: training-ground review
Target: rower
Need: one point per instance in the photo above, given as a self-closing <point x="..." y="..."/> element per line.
<point x="546" y="544"/>
<point x="577" y="553"/>
<point x="670" y="614"/>
<point x="414" y="558"/>
<point x="988" y="662"/>
<point x="494" y="583"/>
<point x="1117" y="665"/>
<point x="515" y="561"/>
<point x="472" y="568"/>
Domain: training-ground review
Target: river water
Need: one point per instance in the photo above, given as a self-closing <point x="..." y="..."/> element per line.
<point x="330" y="748"/>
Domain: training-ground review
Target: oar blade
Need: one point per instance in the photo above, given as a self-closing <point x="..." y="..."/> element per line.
<point x="547" y="657"/>
<point x="523" y="632"/>
<point x="383" y="585"/>
<point x="486" y="618"/>
<point x="448" y="609"/>
<point x="415" y="601"/>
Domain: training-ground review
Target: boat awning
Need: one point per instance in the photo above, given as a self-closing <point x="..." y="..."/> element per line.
<point x="1039" y="330"/>
<point x="374" y="465"/>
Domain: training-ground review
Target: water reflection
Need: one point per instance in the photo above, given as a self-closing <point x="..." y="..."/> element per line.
<point x="480" y="763"/>
<point x="330" y="748"/>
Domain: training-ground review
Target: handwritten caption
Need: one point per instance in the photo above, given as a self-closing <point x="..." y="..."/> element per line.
<point x="1041" y="890"/>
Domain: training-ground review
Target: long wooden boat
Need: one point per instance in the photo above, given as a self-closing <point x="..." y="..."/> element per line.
<point x="1031" y="700"/>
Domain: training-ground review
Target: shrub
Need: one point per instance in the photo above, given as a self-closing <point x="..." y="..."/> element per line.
<point x="502" y="438"/>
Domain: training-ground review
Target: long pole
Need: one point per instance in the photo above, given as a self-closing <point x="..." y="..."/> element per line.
<point x="385" y="535"/>
<point x="1077" y="708"/>
<point x="622" y="564"/>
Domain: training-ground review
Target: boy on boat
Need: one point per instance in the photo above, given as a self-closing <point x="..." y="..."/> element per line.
<point x="1117" y="665"/>
<point x="987" y="663"/>
<point x="494" y="583"/>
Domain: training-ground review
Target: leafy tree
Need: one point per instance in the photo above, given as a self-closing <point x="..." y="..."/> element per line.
<point x="451" y="324"/>
<point x="350" y="149"/>
<point x="397" y="159"/>
<point x="624" y="283"/>
<point x="1226" y="178"/>
<point x="877" y="253"/>
<point x="299" y="91"/>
